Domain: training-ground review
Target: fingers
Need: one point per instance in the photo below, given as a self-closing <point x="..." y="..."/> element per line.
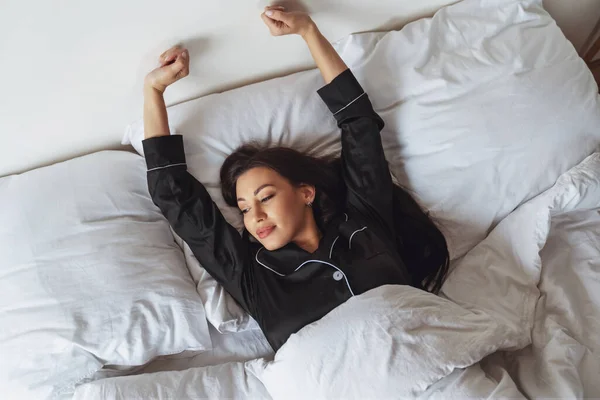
<point x="269" y="22"/>
<point x="276" y="20"/>
<point x="170" y="55"/>
<point x="276" y="14"/>
<point x="168" y="52"/>
<point x="163" y="54"/>
<point x="181" y="67"/>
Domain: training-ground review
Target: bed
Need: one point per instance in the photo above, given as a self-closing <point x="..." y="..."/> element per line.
<point x="492" y="123"/>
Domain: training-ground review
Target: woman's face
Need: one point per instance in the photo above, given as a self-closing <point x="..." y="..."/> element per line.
<point x="274" y="210"/>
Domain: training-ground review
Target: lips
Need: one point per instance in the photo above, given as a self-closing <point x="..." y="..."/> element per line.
<point x="264" y="232"/>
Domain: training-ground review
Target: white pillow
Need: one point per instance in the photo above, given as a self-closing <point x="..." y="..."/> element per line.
<point x="485" y="105"/>
<point x="391" y="342"/>
<point x="90" y="275"/>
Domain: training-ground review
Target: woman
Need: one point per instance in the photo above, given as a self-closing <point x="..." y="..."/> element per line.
<point x="317" y="231"/>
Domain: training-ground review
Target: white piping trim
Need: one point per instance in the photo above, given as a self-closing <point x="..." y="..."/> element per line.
<point x="335" y="240"/>
<point x="347" y="105"/>
<point x="333" y="244"/>
<point x="166" y="166"/>
<point x="305" y="262"/>
<point x="331" y="265"/>
<point x="270" y="269"/>
<point x="356" y="231"/>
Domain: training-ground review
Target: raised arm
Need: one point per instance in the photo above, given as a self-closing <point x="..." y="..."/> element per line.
<point x="174" y="65"/>
<point x="281" y="22"/>
<point x="365" y="168"/>
<point x="181" y="198"/>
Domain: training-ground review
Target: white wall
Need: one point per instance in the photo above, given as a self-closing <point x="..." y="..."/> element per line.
<point x="72" y="70"/>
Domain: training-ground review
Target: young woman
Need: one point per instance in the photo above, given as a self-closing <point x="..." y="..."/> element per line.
<point x="317" y="231"/>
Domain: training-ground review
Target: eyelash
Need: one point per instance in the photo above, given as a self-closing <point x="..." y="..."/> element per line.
<point x="245" y="210"/>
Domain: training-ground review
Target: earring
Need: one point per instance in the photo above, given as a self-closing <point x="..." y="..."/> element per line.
<point x="309" y="204"/>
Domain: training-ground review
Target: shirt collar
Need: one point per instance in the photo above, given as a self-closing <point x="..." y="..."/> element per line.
<point x="288" y="258"/>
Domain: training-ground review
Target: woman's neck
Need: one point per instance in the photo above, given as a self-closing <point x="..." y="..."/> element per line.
<point x="309" y="238"/>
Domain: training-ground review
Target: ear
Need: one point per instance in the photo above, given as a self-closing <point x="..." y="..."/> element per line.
<point x="308" y="193"/>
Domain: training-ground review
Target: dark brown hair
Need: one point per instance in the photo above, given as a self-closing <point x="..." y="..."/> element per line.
<point x="298" y="168"/>
<point x="419" y="242"/>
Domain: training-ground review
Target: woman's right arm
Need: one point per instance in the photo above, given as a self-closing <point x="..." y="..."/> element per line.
<point x="182" y="199"/>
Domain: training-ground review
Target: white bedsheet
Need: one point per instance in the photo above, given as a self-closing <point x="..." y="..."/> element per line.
<point x="498" y="280"/>
<point x="227" y="347"/>
<point x="215" y="374"/>
<point x="224" y="381"/>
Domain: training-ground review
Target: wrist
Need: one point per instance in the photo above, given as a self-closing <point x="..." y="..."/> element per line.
<point x="150" y="90"/>
<point x="310" y="31"/>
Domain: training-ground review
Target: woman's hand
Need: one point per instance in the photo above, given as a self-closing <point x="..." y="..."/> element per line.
<point x="282" y="23"/>
<point x="174" y="65"/>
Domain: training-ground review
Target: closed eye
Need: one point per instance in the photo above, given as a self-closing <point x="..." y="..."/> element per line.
<point x="264" y="200"/>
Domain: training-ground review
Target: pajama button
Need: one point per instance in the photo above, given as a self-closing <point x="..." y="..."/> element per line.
<point x="338" y="276"/>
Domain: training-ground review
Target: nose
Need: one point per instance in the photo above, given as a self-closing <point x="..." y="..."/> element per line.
<point x="259" y="214"/>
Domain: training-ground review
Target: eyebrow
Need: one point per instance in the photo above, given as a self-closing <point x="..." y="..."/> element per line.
<point x="261" y="187"/>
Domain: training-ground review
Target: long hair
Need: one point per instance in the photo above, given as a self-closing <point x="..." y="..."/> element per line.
<point x="419" y="242"/>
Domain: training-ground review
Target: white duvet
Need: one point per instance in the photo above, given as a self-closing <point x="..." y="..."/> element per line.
<point x="563" y="360"/>
<point x="396" y="341"/>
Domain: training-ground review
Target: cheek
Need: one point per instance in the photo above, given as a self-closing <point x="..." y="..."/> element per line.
<point x="289" y="215"/>
<point x="286" y="209"/>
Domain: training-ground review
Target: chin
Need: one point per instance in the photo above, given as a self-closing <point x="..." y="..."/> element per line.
<point x="272" y="246"/>
<point x="272" y="243"/>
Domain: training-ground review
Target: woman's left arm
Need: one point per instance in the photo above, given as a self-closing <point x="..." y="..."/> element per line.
<point x="365" y="169"/>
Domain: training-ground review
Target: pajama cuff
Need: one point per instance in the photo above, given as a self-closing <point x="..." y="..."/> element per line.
<point x="163" y="151"/>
